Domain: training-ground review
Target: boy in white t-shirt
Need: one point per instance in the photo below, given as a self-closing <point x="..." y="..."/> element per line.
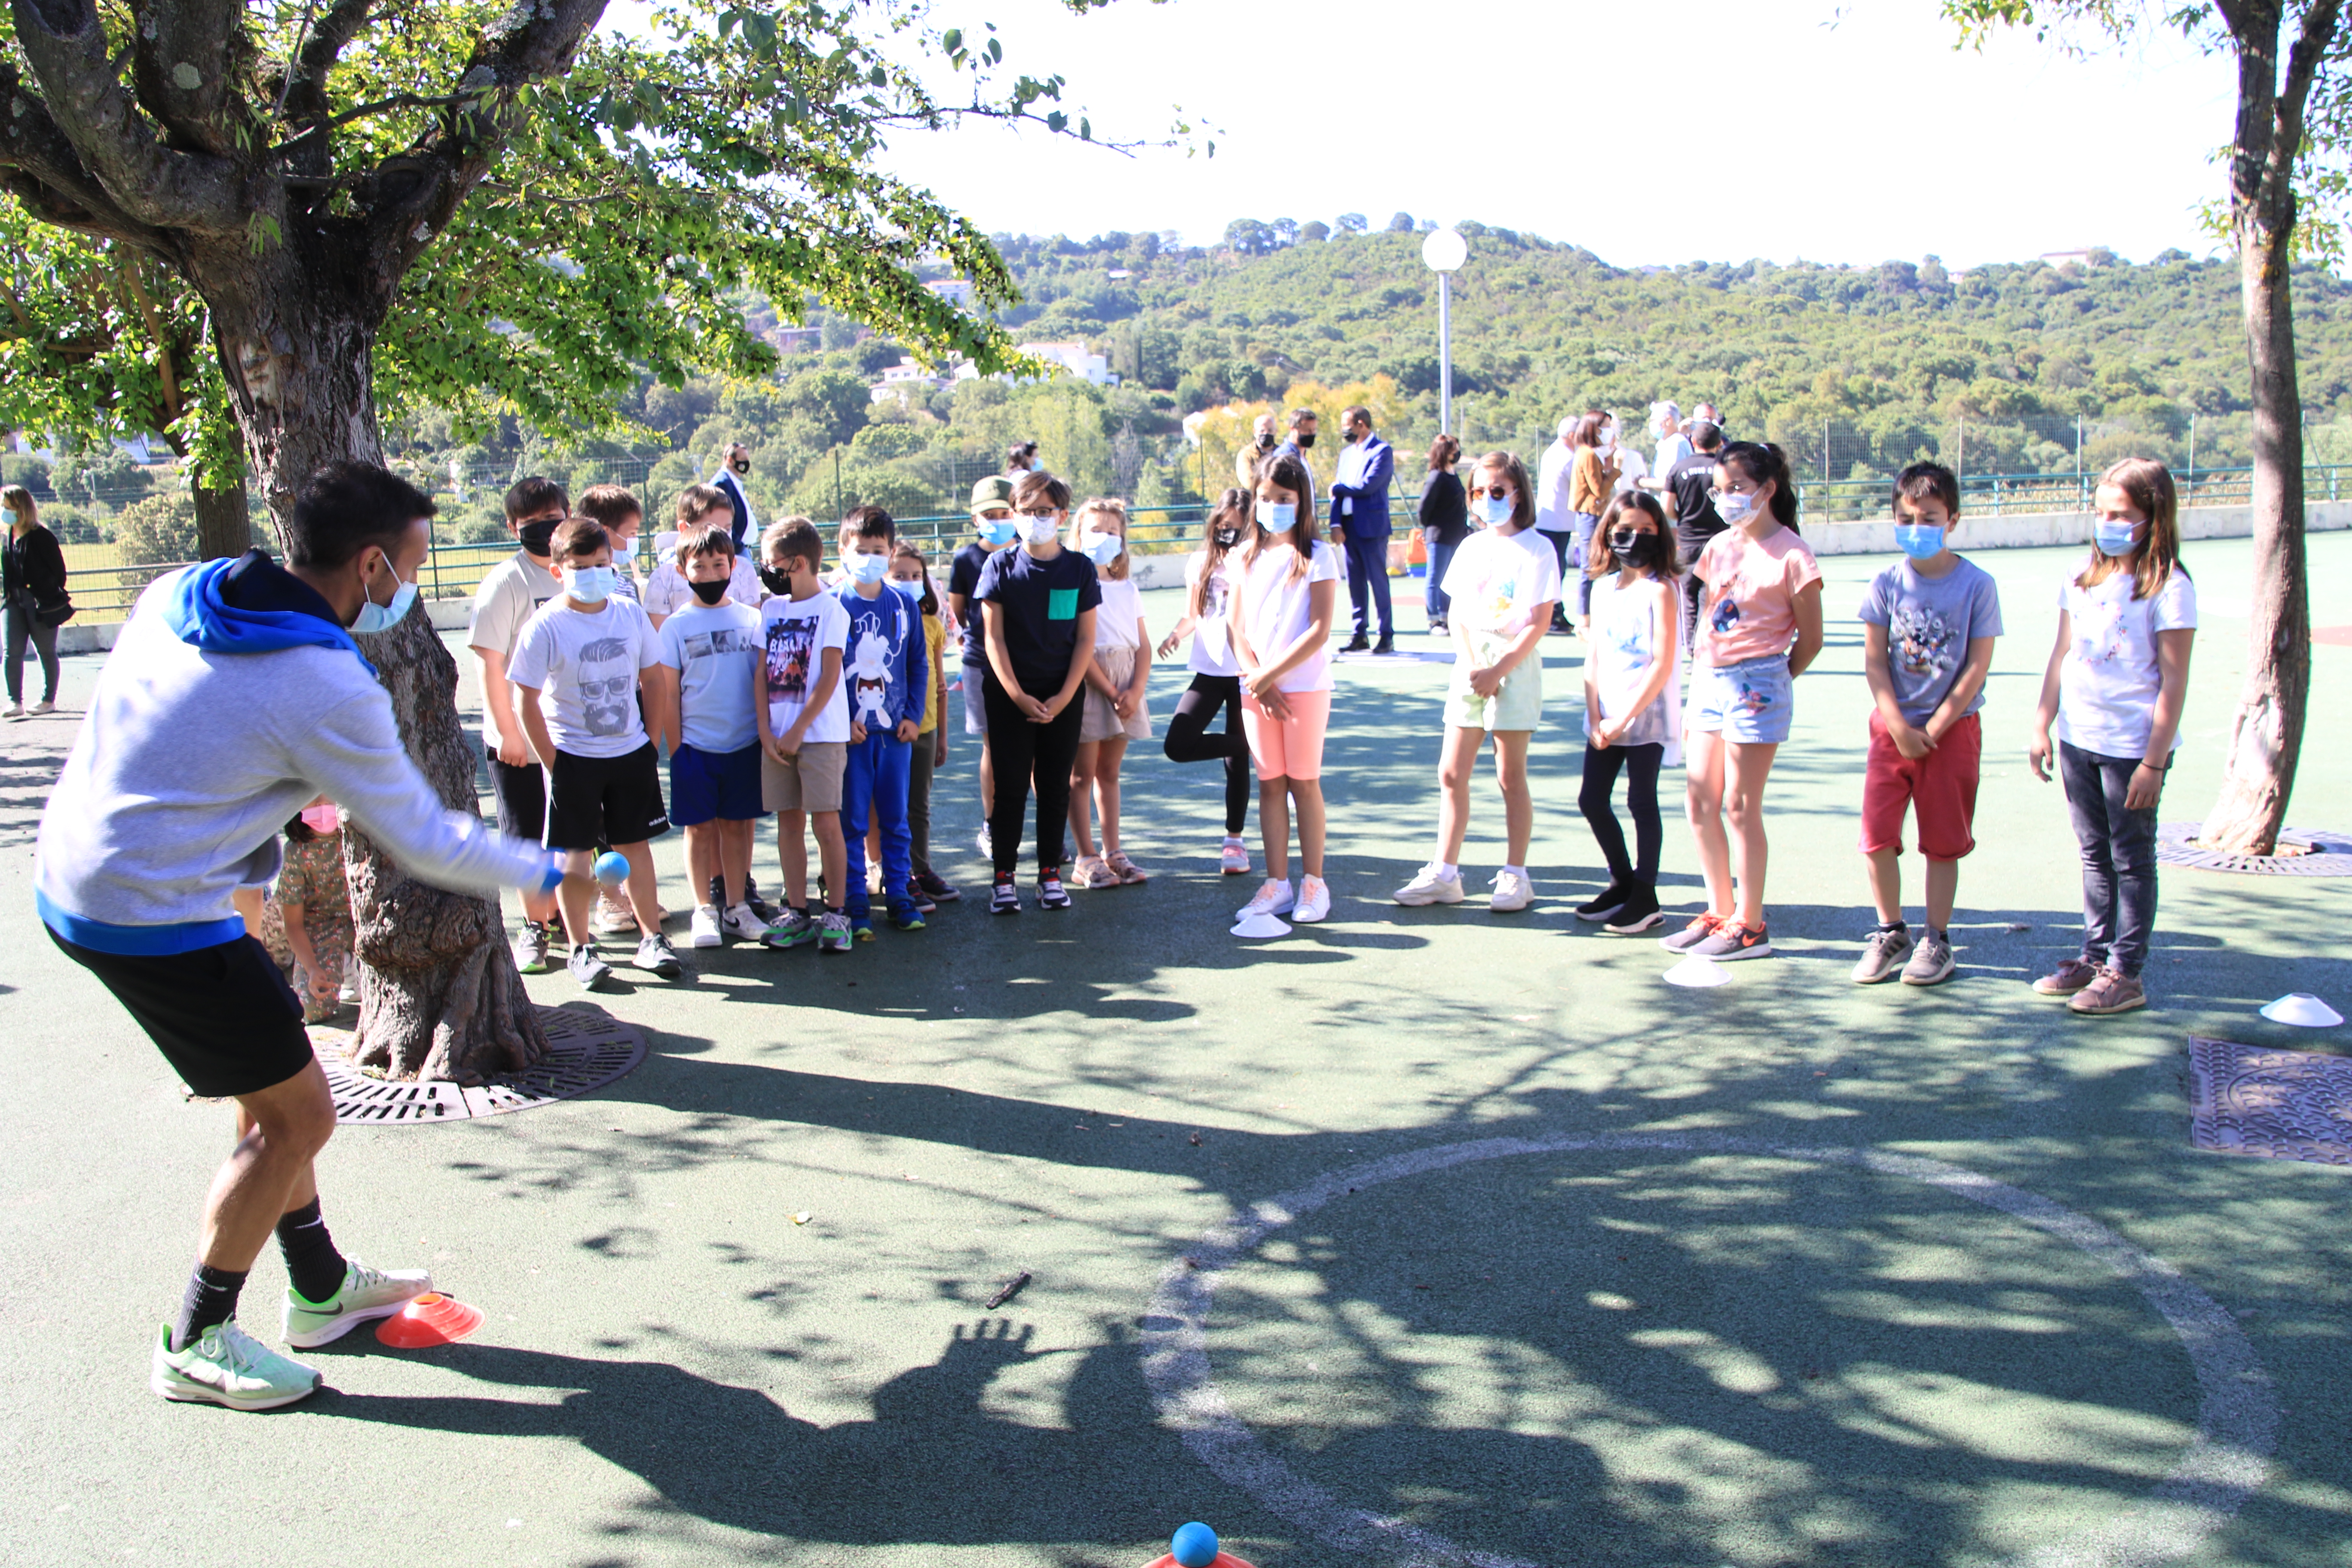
<point x="709" y="662"/>
<point x="802" y="712"/>
<point x="700" y="508"/>
<point x="577" y="671"/>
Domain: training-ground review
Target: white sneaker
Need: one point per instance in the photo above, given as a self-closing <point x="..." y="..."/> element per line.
<point x="40" y="708"/>
<point x="225" y="1365"/>
<point x="1429" y="888"/>
<point x="18" y="711"/>
<point x="986" y="846"/>
<point x="1274" y="897"/>
<point x="367" y="1295"/>
<point x="612" y="919"/>
<point x="740" y="922"/>
<point x="703" y="930"/>
<point x="1512" y="892"/>
<point x="1233" y="859"/>
<point x="1314" y="902"/>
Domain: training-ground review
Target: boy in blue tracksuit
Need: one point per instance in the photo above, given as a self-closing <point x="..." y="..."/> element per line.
<point x="887" y="672"/>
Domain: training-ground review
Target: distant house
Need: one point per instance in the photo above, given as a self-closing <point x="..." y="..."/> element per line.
<point x="1073" y="357"/>
<point x="1118" y="275"/>
<point x="2088" y="256"/>
<point x="954" y="291"/>
<point x="908" y="378"/>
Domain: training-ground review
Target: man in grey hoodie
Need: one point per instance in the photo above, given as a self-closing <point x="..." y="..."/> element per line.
<point x="233" y="696"/>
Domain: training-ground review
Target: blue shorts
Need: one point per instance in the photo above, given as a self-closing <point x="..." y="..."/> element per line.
<point x="706" y="784"/>
<point x="1750" y="702"/>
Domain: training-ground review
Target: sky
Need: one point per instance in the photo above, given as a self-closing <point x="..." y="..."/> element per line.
<point x="1713" y="130"/>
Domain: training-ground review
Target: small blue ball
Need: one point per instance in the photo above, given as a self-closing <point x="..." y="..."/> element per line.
<point x="1194" y="1546"/>
<point x="612" y="867"/>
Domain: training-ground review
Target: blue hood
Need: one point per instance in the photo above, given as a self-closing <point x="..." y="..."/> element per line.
<point x="252" y="604"/>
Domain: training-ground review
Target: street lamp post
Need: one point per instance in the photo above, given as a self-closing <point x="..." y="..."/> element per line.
<point x="1442" y="253"/>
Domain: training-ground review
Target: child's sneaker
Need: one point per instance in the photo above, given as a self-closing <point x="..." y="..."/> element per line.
<point x="833" y="932"/>
<point x="614" y="918"/>
<point x="1314" y="902"/>
<point x="1128" y="873"/>
<point x="1883" y="953"/>
<point x="794" y="928"/>
<point x="1610" y="899"/>
<point x="2068" y="978"/>
<point x="1003" y="898"/>
<point x="2112" y="992"/>
<point x="655" y="957"/>
<point x="985" y="844"/>
<point x="1050" y="892"/>
<point x="530" y="948"/>
<point x="1931" y="961"/>
<point x="1430" y="886"/>
<point x="907" y="916"/>
<point x="861" y="925"/>
<point x="1274" y="897"/>
<point x="1233" y="859"/>
<point x="588" y="967"/>
<point x="1512" y="893"/>
<point x="743" y="923"/>
<point x="1091" y="871"/>
<point x="703" y="930"/>
<point x="1701" y="928"/>
<point x="1640" y="912"/>
<point x="766" y="913"/>
<point x="935" y="888"/>
<point x="1733" y="941"/>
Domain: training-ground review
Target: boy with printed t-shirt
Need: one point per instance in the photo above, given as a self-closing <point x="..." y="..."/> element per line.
<point x="802" y="716"/>
<point x="578" y="668"/>
<point x="1928" y="626"/>
<point x="709" y="656"/>
<point x="510" y="594"/>
<point x="888" y="675"/>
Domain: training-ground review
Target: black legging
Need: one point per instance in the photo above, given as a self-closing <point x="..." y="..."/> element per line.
<point x="1021" y="751"/>
<point x="1188" y="739"/>
<point x="1600" y="768"/>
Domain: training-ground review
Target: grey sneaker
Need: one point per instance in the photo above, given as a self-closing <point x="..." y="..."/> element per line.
<point x="1883" y="953"/>
<point x="530" y="948"/>
<point x="654" y="956"/>
<point x="588" y="968"/>
<point x="2070" y="975"/>
<point x="1931" y="961"/>
<point x="833" y="932"/>
<point x="795" y="928"/>
<point x="2112" y="992"/>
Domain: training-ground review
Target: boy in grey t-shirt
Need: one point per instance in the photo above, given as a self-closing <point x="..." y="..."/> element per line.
<point x="1929" y="622"/>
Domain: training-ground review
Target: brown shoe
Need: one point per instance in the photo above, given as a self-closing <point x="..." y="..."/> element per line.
<point x="2066" y="980"/>
<point x="2112" y="992"/>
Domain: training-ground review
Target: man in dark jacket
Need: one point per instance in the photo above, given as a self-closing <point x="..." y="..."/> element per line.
<point x="732" y="475"/>
<point x="1360" y="519"/>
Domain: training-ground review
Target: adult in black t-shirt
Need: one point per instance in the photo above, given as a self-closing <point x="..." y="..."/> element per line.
<point x="1037" y="603"/>
<point x="1444" y="523"/>
<point x="1691" y="482"/>
<point x="995" y="526"/>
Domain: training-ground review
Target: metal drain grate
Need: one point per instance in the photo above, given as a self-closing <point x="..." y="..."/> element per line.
<point x="2280" y="1105"/>
<point x="2330" y="854"/>
<point x="588" y="1051"/>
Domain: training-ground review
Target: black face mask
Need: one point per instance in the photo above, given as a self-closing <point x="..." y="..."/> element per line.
<point x="709" y="592"/>
<point x="1634" y="548"/>
<point x="538" y="535"/>
<point x="743" y="469"/>
<point x="775" y="581"/>
<point x="1228" y="537"/>
<point x="1265" y="441"/>
<point x="1305" y="440"/>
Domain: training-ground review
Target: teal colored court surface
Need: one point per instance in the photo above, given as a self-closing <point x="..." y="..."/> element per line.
<point x="1423" y="1237"/>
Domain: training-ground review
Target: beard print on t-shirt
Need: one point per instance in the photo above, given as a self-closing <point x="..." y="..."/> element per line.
<point x="607" y="685"/>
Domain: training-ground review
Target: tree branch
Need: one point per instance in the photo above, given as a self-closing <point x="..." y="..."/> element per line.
<point x="113" y="141"/>
<point x="306" y="104"/>
<point x="39" y="167"/>
<point x="2303" y="63"/>
<point x="187" y="57"/>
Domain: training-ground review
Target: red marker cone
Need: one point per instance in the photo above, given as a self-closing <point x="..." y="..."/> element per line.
<point x="431" y="1319"/>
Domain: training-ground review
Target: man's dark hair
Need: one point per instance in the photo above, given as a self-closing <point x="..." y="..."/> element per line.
<point x="344" y="508"/>
<point x="532" y="496"/>
<point x="610" y="504"/>
<point x="869" y="521"/>
<point x="1923" y="481"/>
<point x="1301" y="416"/>
<point x="1703" y="435"/>
<point x="1355" y="411"/>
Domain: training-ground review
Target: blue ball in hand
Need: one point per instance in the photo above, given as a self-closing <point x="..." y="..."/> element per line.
<point x="1194" y="1545"/>
<point x="612" y="867"/>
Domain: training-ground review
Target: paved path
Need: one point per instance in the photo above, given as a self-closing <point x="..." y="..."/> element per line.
<point x="1650" y="1333"/>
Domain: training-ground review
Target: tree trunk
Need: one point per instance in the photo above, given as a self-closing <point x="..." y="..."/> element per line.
<point x="2266" y="735"/>
<point x="222" y="529"/>
<point x="439" y="994"/>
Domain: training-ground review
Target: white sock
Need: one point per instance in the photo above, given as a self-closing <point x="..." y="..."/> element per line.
<point x="711" y="909"/>
<point x="1234" y="839"/>
<point x="1446" y="870"/>
<point x="1518" y="871"/>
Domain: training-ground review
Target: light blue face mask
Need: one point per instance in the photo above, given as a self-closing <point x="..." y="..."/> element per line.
<point x="1496" y="511"/>
<point x="911" y="589"/>
<point x="7" y="517"/>
<point x="375" y="618"/>
<point x="1734" y="507"/>
<point x="863" y="568"/>
<point x="589" y="584"/>
<point x="624" y="552"/>
<point x="1919" y="541"/>
<point x="2115" y="537"/>
<point x="1278" y="515"/>
<point x="996" y="529"/>
<point x="1101" y="548"/>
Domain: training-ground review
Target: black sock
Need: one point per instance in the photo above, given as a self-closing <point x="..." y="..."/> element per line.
<point x="211" y="1298"/>
<point x="1895" y="928"/>
<point x="316" y="1268"/>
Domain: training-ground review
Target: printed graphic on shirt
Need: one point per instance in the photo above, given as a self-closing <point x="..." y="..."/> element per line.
<point x="1921" y="642"/>
<point x="608" y="685"/>
<point x="791" y="648"/>
<point x="723" y="640"/>
<point x="2100" y="633"/>
<point x="1727" y="615"/>
<point x="870" y="671"/>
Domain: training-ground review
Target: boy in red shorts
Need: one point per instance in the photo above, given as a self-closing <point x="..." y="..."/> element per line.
<point x="1928" y="626"/>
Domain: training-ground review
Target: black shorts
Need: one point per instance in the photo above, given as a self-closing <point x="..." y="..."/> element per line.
<point x="521" y="795"/>
<point x="222" y="1016"/>
<point x="592" y="801"/>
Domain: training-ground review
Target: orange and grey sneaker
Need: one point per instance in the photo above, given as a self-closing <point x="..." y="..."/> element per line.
<point x="1701" y="928"/>
<point x="1735" y="940"/>
<point x="2112" y="992"/>
<point x="2068" y="978"/>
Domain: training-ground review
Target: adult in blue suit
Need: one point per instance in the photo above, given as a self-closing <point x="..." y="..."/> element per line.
<point x="1359" y="516"/>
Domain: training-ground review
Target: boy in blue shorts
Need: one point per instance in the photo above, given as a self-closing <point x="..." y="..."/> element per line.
<point x="710" y="656"/>
<point x="886" y="671"/>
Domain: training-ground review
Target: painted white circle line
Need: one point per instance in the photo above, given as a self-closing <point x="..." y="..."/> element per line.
<point x="2225" y="1463"/>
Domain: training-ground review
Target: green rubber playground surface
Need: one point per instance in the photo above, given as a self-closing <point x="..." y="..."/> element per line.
<point x="1427" y="1236"/>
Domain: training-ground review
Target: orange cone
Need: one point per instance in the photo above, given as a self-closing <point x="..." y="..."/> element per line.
<point x="431" y="1319"/>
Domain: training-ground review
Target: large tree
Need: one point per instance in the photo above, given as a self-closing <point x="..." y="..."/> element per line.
<point x="2294" y="123"/>
<point x="490" y="207"/>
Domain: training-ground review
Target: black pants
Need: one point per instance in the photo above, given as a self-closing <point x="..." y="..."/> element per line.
<point x="1563" y="546"/>
<point x="1688" y="543"/>
<point x="1023" y="753"/>
<point x="1641" y="764"/>
<point x="1188" y="739"/>
<point x="2118" y="846"/>
<point x="24" y="628"/>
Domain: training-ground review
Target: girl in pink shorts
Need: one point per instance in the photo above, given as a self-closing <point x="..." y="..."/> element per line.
<point x="1288" y="579"/>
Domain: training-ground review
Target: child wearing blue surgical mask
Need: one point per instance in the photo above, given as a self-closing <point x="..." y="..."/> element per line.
<point x="2113" y="691"/>
<point x="910" y="574"/>
<point x="1928" y="626"/>
<point x="1114" y="697"/>
<point x="887" y="672"/>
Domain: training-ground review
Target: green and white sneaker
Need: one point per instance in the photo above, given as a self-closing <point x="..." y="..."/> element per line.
<point x="367" y="1294"/>
<point x="225" y="1365"/>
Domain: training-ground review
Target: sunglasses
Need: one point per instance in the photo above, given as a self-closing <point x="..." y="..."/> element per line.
<point x="1500" y="492"/>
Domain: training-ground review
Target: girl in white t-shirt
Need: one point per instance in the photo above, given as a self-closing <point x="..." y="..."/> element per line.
<point x="1501" y="588"/>
<point x="1633" y="718"/>
<point x="1216" y="678"/>
<point x="1113" y="696"/>
<point x="2116" y="681"/>
<point x="1280" y="621"/>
